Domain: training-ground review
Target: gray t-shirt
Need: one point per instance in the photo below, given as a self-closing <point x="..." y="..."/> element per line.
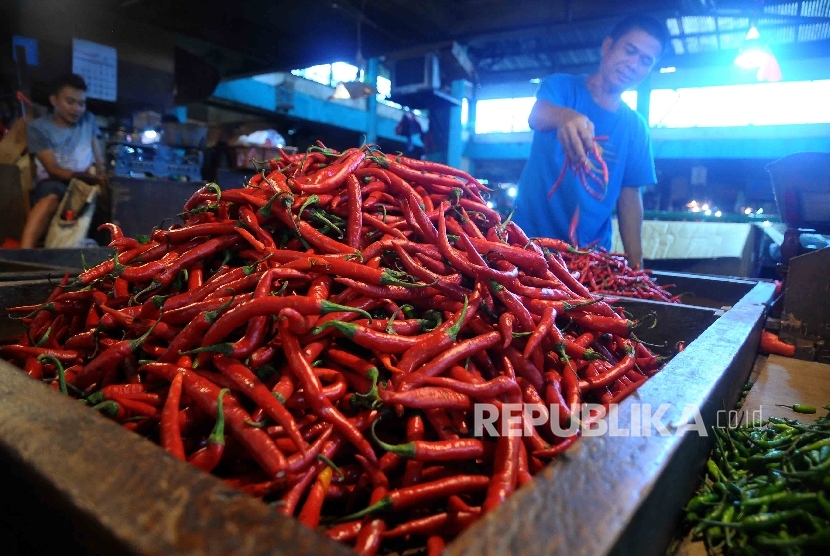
<point x="72" y="145"/>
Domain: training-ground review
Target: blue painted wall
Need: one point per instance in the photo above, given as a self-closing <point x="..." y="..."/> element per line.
<point x="254" y="93"/>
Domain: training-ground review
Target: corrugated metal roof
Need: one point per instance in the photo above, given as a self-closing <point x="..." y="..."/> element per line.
<point x="695" y="34"/>
<point x="782" y="23"/>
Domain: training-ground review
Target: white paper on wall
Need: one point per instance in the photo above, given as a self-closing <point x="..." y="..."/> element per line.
<point x="98" y="65"/>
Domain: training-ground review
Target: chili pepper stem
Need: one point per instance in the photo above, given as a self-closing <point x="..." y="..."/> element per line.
<point x="379" y="506"/>
<point x="217" y="435"/>
<point x="371" y="399"/>
<point x="59" y="367"/>
<point x="404" y="450"/>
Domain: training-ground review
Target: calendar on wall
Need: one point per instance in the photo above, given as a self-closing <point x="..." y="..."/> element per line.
<point x="98" y="65"/>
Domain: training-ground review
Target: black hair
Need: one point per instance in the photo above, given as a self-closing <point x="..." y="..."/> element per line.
<point x="653" y="27"/>
<point x="68" y="80"/>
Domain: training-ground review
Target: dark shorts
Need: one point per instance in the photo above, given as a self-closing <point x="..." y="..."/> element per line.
<point x="47" y="187"/>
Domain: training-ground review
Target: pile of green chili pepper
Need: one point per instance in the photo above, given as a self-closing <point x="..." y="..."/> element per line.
<point x="767" y="489"/>
<point x="319" y="337"/>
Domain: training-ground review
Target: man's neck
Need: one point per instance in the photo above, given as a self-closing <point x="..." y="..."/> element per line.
<point x="606" y="97"/>
<point x="60" y="122"/>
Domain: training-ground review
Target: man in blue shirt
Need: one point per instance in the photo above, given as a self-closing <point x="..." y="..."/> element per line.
<point x="65" y="146"/>
<point x="569" y="114"/>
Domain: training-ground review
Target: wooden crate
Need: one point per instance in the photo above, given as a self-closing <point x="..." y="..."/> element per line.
<point x="102" y="489"/>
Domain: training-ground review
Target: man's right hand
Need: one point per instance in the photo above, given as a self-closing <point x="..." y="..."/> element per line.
<point x="576" y="134"/>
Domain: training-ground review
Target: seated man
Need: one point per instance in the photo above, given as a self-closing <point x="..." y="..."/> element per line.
<point x="65" y="147"/>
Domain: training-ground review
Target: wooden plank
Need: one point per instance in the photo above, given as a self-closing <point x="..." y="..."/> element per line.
<point x="13" y="143"/>
<point x="788" y="381"/>
<point x="120" y="494"/>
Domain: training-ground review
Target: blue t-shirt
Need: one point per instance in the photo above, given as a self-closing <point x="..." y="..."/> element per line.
<point x="627" y="152"/>
<point x="72" y="145"/>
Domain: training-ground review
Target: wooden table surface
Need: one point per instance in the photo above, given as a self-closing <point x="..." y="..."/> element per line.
<point x="778" y="380"/>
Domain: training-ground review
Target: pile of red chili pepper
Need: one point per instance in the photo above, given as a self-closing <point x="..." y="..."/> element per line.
<point x="318" y="339"/>
<point x="608" y="274"/>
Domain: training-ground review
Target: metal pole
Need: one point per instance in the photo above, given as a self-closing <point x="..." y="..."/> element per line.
<point x="455" y="141"/>
<point x="372" y="102"/>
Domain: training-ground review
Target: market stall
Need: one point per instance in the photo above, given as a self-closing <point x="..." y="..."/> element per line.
<point x="719" y="351"/>
<point x="550" y="299"/>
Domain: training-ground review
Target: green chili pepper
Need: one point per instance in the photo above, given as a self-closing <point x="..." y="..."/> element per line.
<point x="785" y="498"/>
<point x="762" y="520"/>
<point x="800" y="408"/>
<point x="714" y="472"/>
<point x="814" y="446"/>
<point x="702" y="500"/>
<point x="772" y="455"/>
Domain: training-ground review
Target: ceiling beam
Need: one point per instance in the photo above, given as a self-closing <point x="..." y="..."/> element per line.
<point x="439" y="21"/>
<point x="515" y="16"/>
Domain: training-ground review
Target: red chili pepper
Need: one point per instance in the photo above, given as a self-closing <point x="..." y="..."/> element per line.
<point x="435" y="545"/>
<point x="336" y="388"/>
<point x="194" y="277"/>
<point x="524" y="258"/>
<point x="542" y="329"/>
<point x="313" y="389"/>
<point x="462" y="449"/>
<point x="64" y="355"/>
<point x="415" y="432"/>
<point x="404" y="498"/>
<point x="106" y="267"/>
<point x="247" y="310"/>
<point x="355" y="220"/>
<point x="389" y="292"/>
<point x="208" y="457"/>
<point x="369" y="338"/>
<point x="438" y="168"/>
<point x="441" y="423"/>
<point x="137" y="407"/>
<point x="428" y="397"/>
<point x="170" y="436"/>
<point x="489" y="390"/>
<point x="523" y="475"/>
<point x="34" y="368"/>
<point x="430" y="524"/>
<point x="554" y="451"/>
<point x="370" y="537"/>
<point x="450" y="357"/>
<point x="609" y="376"/>
<point x="598" y="323"/>
<point x="572" y="231"/>
<point x="205" y="394"/>
<point x="558" y="181"/>
<point x="503" y="481"/>
<point x="770" y="343"/>
<point x="310" y="513"/>
<point x="506" y="322"/>
<point x="440" y="283"/>
<point x="203" y="251"/>
<point x="332" y="177"/>
<point x="248" y="383"/>
<point x="345" y="532"/>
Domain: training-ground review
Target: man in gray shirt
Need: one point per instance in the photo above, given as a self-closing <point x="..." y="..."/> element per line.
<point x="65" y="146"/>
